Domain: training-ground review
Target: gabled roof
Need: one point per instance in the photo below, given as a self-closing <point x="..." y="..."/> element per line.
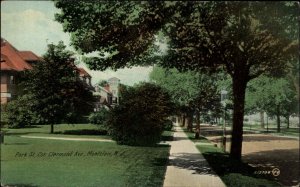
<point x="11" y="58"/>
<point x="83" y="73"/>
<point x="29" y="56"/>
<point x="6" y="64"/>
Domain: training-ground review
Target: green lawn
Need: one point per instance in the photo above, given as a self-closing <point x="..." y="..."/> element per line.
<point x="272" y="129"/>
<point x="60" y="130"/>
<point x="191" y="136"/>
<point x="78" y="163"/>
<point x="233" y="173"/>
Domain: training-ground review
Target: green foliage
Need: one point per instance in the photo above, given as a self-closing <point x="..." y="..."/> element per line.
<point x="168" y="125"/>
<point x="99" y="117"/>
<point x="51" y="82"/>
<point x="102" y="83"/>
<point x="239" y="37"/>
<point x="140" y="117"/>
<point x="20" y="112"/>
<point x="54" y="90"/>
<point x="3" y="115"/>
<point x="197" y="90"/>
<point x="265" y="93"/>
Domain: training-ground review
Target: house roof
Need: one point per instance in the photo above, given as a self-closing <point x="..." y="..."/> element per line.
<point x="12" y="59"/>
<point x="83" y="73"/>
<point x="29" y="56"/>
<point x="6" y="64"/>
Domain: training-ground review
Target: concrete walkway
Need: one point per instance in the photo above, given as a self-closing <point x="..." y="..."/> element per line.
<point x="65" y="138"/>
<point x="187" y="167"/>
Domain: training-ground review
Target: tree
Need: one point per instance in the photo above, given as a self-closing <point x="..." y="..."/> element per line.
<point x="274" y="96"/>
<point x="197" y="91"/>
<point x="54" y="84"/>
<point x="141" y="115"/>
<point x="246" y="39"/>
<point x="103" y="83"/>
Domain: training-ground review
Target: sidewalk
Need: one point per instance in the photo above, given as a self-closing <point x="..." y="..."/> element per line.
<point x="187" y="167"/>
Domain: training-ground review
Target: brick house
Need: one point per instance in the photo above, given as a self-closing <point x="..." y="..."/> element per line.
<point x="15" y="62"/>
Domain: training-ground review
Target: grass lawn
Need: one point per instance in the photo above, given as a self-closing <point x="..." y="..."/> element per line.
<point x="60" y="130"/>
<point x="272" y="129"/>
<point x="42" y="162"/>
<point x="191" y="136"/>
<point x="233" y="173"/>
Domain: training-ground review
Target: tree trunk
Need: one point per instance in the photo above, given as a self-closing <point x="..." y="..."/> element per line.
<point x="197" y="134"/>
<point x="262" y="119"/>
<point x="52" y="128"/>
<point x="239" y="89"/>
<point x="288" y="121"/>
<point x="190" y="122"/>
<point x="183" y="120"/>
<point x="278" y="118"/>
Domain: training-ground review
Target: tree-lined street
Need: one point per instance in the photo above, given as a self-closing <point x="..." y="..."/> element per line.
<point x="211" y="64"/>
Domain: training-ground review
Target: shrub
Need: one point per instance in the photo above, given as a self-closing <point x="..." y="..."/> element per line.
<point x="3" y="115"/>
<point x="19" y="113"/>
<point x="98" y="118"/>
<point x="168" y="125"/>
<point x="140" y="117"/>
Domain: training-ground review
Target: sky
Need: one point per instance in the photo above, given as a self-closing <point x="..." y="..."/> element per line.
<point x="30" y="25"/>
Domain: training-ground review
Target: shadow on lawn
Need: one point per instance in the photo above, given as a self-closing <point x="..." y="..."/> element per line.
<point x="16" y="144"/>
<point x="18" y="133"/>
<point x="287" y="160"/>
<point x="18" y="185"/>
<point x="262" y="138"/>
<point x="83" y="132"/>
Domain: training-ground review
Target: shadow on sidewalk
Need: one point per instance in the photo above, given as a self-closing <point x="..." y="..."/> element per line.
<point x="191" y="162"/>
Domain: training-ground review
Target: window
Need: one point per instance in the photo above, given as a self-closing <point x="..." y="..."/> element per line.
<point x="12" y="79"/>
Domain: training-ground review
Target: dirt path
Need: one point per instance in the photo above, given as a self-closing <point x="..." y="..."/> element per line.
<point x="266" y="152"/>
<point x="71" y="139"/>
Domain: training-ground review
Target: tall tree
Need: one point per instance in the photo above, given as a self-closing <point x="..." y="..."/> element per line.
<point x="55" y="87"/>
<point x="247" y="39"/>
<point x="277" y="97"/>
<point x="195" y="91"/>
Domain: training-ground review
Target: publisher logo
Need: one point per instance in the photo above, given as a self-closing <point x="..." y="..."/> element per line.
<point x="276" y="172"/>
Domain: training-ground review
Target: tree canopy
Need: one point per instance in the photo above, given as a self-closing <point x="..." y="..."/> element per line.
<point x="55" y="88"/>
<point x="246" y="39"/>
<point x="194" y="90"/>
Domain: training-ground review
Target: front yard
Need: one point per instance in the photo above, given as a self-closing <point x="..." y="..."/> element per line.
<point x="43" y="162"/>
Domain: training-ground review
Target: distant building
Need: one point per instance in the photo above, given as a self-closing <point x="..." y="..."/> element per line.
<point x="108" y="95"/>
<point x="86" y="78"/>
<point x="104" y="97"/>
<point x="114" y="84"/>
<point x="13" y="63"/>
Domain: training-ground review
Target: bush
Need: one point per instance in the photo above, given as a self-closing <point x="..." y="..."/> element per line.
<point x="99" y="118"/>
<point x="3" y="115"/>
<point x="168" y="125"/>
<point x="19" y="113"/>
<point x="140" y="117"/>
